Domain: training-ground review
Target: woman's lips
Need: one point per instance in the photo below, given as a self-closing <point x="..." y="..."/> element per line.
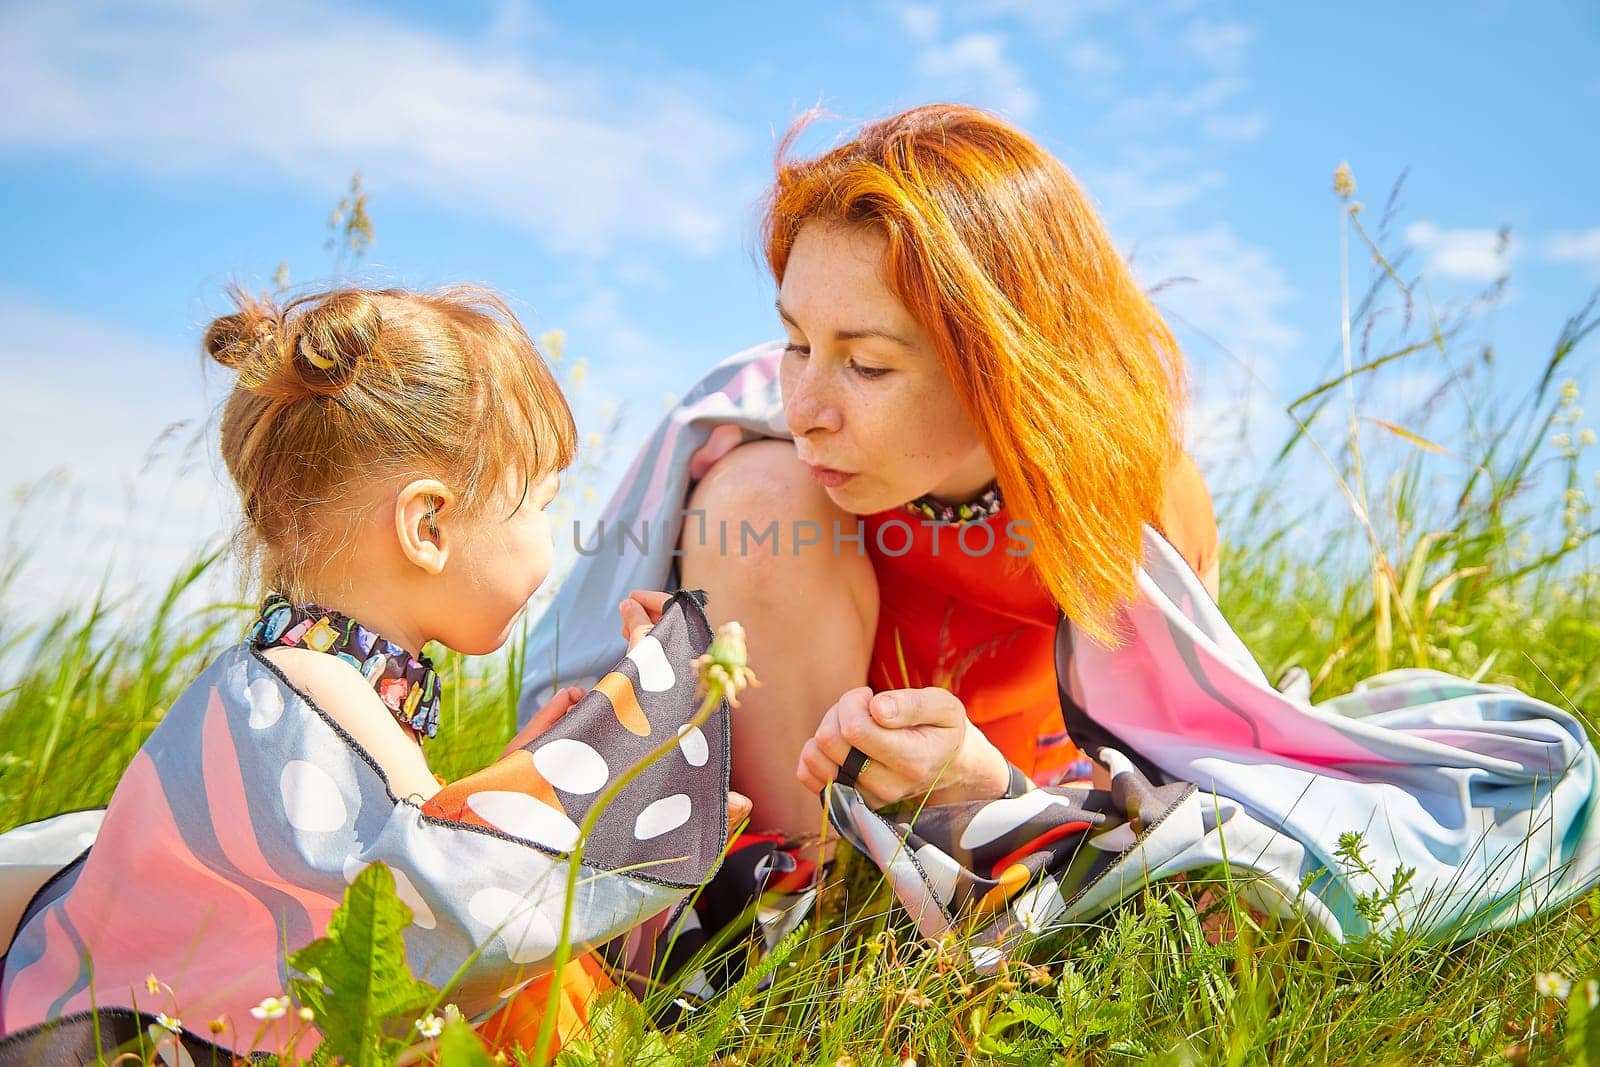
<point x="828" y="476"/>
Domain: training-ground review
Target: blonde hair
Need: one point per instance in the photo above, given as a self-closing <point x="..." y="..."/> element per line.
<point x="1066" y="368"/>
<point x="337" y="390"/>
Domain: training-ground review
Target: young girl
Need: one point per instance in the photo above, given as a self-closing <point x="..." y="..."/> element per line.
<point x="394" y="454"/>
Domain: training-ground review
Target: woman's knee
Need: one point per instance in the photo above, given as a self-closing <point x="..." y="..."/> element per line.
<point x="758" y="517"/>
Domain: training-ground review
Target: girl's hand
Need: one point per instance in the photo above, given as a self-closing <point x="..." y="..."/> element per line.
<point x="640" y="613"/>
<point x="919" y="741"/>
<point x="556" y="707"/>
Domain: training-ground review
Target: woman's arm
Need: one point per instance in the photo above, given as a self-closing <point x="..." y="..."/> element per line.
<point x="1189" y="521"/>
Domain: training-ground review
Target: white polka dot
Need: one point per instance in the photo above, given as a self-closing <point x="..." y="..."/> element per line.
<point x="693" y="744"/>
<point x="1037" y="907"/>
<point x="571" y="765"/>
<point x="1000" y="817"/>
<point x="941" y="871"/>
<point x="662" y="816"/>
<point x="528" y="934"/>
<point x="311" y="798"/>
<point x="526" y="817"/>
<point x="655" y="673"/>
<point x="266" y="702"/>
<point x="985" y="958"/>
<point x="421" y="914"/>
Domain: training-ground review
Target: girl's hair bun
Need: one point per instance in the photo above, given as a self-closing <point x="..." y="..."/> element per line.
<point x="333" y="339"/>
<point x="248" y="339"/>
<point x="313" y="345"/>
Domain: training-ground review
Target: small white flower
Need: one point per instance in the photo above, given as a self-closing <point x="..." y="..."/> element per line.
<point x="1552" y="984"/>
<point x="1586" y="437"/>
<point x="430" y="1025"/>
<point x="271" y="1008"/>
<point x="167" y="1022"/>
<point x="685" y="1005"/>
<point x="1561" y="440"/>
<point x="306" y="1014"/>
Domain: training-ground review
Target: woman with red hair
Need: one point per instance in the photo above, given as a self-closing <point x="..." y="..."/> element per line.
<point x="953" y="514"/>
<point x="969" y="358"/>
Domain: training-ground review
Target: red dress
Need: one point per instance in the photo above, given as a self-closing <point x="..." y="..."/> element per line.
<point x="980" y="623"/>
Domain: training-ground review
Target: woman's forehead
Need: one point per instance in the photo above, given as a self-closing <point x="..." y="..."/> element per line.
<point x="834" y="279"/>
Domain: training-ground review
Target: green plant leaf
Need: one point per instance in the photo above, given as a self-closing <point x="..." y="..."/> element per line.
<point x="356" y="977"/>
<point x="460" y="1047"/>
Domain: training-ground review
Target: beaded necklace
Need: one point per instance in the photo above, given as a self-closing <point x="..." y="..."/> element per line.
<point x="408" y="685"/>
<point x="983" y="506"/>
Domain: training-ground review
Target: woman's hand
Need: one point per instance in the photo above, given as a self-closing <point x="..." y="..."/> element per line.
<point x="640" y="613"/>
<point x="919" y="741"/>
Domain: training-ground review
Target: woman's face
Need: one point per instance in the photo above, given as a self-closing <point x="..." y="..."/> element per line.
<point x="868" y="401"/>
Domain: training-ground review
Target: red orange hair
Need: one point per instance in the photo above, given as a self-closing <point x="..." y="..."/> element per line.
<point x="1066" y="368"/>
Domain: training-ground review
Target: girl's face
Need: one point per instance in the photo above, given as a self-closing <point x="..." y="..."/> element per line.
<point x="497" y="561"/>
<point x="871" y="408"/>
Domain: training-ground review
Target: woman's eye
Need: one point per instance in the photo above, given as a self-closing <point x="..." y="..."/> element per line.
<point x="870" y="373"/>
<point x="792" y="349"/>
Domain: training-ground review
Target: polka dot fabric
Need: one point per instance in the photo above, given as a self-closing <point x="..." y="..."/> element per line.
<point x="670" y="821"/>
<point x="248" y="811"/>
<point x="1013" y="867"/>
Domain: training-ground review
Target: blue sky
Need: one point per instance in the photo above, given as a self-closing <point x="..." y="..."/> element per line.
<point x="602" y="168"/>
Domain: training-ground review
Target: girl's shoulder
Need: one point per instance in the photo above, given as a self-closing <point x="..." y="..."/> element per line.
<point x="341" y="693"/>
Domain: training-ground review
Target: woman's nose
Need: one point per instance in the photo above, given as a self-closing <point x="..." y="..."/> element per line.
<point x="808" y="408"/>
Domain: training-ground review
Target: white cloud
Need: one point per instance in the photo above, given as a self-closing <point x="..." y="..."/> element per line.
<point x="920" y="21"/>
<point x="1574" y="246"/>
<point x="1466" y="255"/>
<point x="1235" y="128"/>
<point x="1090" y="59"/>
<point x="1162" y="106"/>
<point x="1050" y="17"/>
<point x="121" y="428"/>
<point x="976" y="65"/>
<point x="1150" y="190"/>
<point x="1222" y="285"/>
<point x="585" y="159"/>
<point x="1220" y="45"/>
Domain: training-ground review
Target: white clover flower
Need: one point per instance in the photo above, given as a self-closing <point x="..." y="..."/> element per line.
<point x="1552" y="984"/>
<point x="430" y="1025"/>
<point x="167" y="1022"/>
<point x="271" y="1008"/>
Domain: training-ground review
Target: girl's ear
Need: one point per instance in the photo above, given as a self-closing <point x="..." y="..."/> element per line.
<point x="418" y="523"/>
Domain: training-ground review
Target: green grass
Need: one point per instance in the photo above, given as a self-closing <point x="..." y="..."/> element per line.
<point x="1473" y="558"/>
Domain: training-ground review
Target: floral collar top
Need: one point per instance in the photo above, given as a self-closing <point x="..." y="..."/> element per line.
<point x="407" y="684"/>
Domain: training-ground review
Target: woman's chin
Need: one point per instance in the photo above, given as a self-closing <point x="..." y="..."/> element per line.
<point x="857" y="502"/>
